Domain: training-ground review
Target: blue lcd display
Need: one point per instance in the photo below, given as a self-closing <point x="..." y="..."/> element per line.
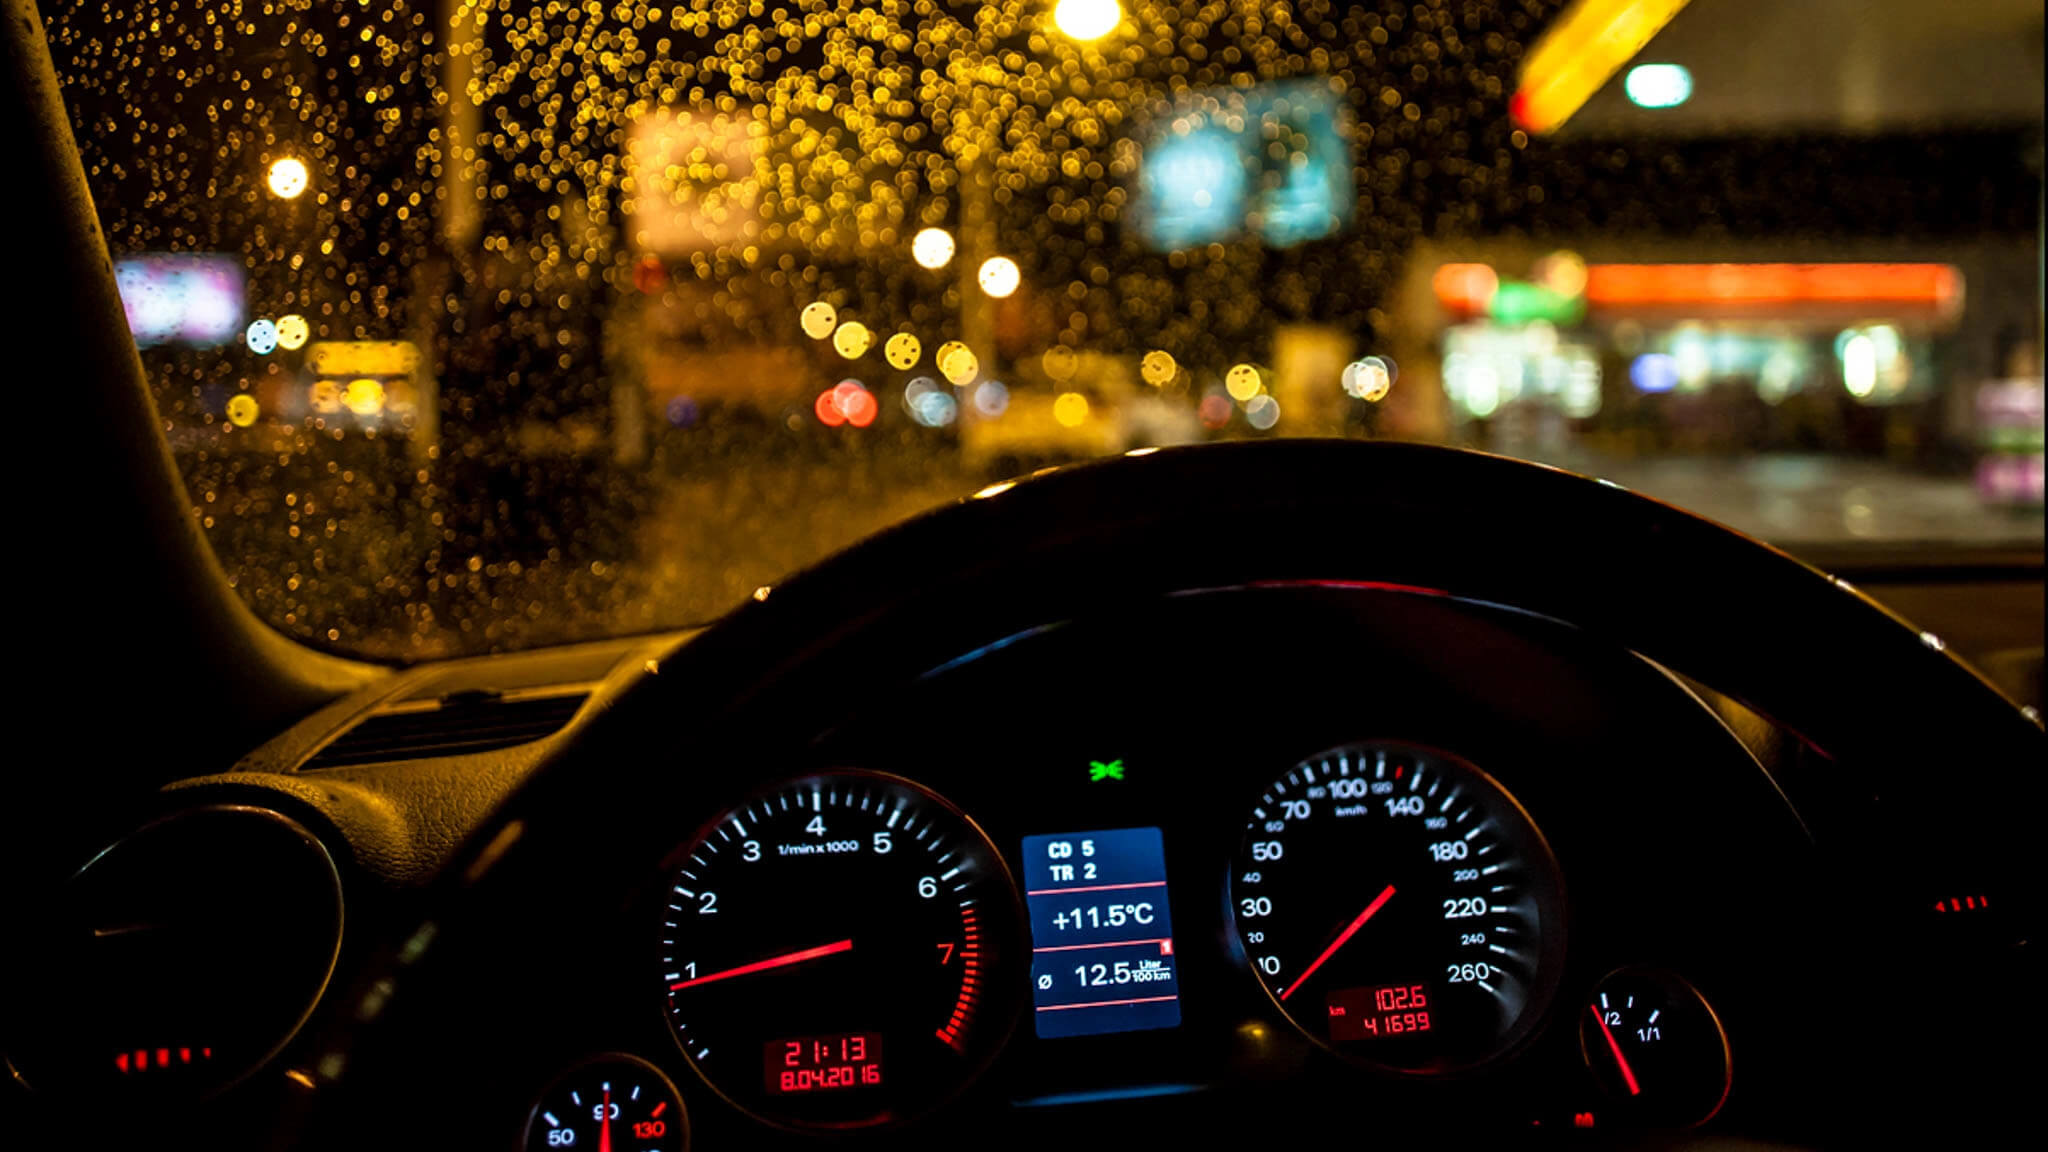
<point x="1101" y="934"/>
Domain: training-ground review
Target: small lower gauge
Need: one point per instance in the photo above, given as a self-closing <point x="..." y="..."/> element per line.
<point x="609" y="1102"/>
<point x="1656" y="1048"/>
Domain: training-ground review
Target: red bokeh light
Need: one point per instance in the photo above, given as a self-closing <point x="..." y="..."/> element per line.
<point x="848" y="402"/>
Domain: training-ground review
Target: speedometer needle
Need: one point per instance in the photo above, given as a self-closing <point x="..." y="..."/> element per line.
<point x="1378" y="902"/>
<point x="764" y="965"/>
<point x="1627" y="1073"/>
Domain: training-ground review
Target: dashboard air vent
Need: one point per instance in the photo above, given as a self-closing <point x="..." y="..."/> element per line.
<point x="457" y="725"/>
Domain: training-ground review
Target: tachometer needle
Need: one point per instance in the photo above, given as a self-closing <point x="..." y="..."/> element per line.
<point x="764" y="965"/>
<point x="1627" y="1073"/>
<point x="1378" y="902"/>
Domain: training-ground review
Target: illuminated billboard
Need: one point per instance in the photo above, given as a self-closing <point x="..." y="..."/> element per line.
<point x="1271" y="161"/>
<point x="182" y="298"/>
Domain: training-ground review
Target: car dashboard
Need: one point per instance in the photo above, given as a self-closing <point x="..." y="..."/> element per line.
<point x="1042" y="835"/>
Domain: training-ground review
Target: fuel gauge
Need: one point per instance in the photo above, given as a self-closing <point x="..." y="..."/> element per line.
<point x="1656" y="1048"/>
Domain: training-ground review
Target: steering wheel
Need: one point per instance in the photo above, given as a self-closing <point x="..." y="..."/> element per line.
<point x="1877" y="702"/>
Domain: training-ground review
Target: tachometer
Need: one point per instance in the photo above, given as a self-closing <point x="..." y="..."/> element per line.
<point x="1400" y="907"/>
<point x="836" y="951"/>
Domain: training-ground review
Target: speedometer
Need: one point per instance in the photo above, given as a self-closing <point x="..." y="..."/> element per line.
<point x="1400" y="907"/>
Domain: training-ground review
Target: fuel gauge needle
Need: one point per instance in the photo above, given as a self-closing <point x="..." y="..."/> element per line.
<point x="782" y="961"/>
<point x="1627" y="1073"/>
<point x="1378" y="903"/>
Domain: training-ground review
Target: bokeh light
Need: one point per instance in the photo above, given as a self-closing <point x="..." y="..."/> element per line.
<point x="1060" y="362"/>
<point x="999" y="276"/>
<point x="1158" y="368"/>
<point x="902" y="350"/>
<point x="1214" y="411"/>
<point x="991" y="399"/>
<point x="261" y="337"/>
<point x="958" y="363"/>
<point x="1658" y="85"/>
<point x="1087" y="20"/>
<point x="818" y="320"/>
<point x="1242" y="382"/>
<point x="1369" y="379"/>
<point x="242" y="410"/>
<point x="292" y="332"/>
<point x="852" y="340"/>
<point x="932" y="248"/>
<point x="1262" y="412"/>
<point x="287" y="178"/>
<point x="364" y="396"/>
<point x="1070" y="409"/>
<point x="847" y="402"/>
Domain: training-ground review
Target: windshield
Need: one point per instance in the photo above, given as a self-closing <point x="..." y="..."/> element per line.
<point x="483" y="324"/>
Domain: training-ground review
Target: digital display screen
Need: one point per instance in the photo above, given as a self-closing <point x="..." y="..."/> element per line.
<point x="823" y="1063"/>
<point x="1372" y="1012"/>
<point x="1101" y="934"/>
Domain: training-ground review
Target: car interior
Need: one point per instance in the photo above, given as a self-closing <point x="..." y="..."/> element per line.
<point x="1418" y="795"/>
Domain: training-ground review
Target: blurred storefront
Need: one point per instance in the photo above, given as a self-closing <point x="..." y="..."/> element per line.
<point x="1617" y="352"/>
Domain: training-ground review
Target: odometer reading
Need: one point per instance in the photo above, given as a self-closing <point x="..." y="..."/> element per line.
<point x="1400" y="907"/>
<point x="828" y="920"/>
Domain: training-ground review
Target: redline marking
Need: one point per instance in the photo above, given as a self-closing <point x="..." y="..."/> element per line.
<point x="1105" y="1003"/>
<point x="658" y="1110"/>
<point x="1096" y="888"/>
<point x="1166" y="945"/>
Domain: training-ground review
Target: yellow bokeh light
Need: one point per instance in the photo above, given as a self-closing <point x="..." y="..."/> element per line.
<point x="1242" y="382"/>
<point x="1087" y="20"/>
<point x="242" y="410"/>
<point x="1157" y="368"/>
<point x="852" y="340"/>
<point x="364" y="397"/>
<point x="1060" y="362"/>
<point x="1071" y="409"/>
<point x="999" y="276"/>
<point x="958" y="363"/>
<point x="932" y="248"/>
<point x="325" y="397"/>
<point x="292" y="332"/>
<point x="902" y="350"/>
<point x="288" y="177"/>
<point x="818" y="320"/>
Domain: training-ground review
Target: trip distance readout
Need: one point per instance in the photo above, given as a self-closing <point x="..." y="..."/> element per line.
<point x="823" y="1063"/>
<point x="1373" y="1012"/>
<point x="1102" y="937"/>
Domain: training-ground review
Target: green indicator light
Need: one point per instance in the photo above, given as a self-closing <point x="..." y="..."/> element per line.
<point x="1097" y="770"/>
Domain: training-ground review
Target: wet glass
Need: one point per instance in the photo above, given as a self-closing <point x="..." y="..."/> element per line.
<point x="483" y="325"/>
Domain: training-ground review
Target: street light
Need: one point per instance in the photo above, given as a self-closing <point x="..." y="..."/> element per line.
<point x="1087" y="20"/>
<point x="288" y="178"/>
<point x="999" y="276"/>
<point x="932" y="248"/>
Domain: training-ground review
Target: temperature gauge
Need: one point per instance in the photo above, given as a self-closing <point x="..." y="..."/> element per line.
<point x="610" y="1102"/>
<point x="1656" y="1048"/>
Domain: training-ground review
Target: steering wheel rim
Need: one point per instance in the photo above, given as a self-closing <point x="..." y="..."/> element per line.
<point x="1799" y="647"/>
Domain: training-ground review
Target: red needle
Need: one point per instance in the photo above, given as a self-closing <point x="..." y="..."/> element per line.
<point x="771" y="962"/>
<point x="1371" y="908"/>
<point x="604" y="1129"/>
<point x="1627" y="1073"/>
